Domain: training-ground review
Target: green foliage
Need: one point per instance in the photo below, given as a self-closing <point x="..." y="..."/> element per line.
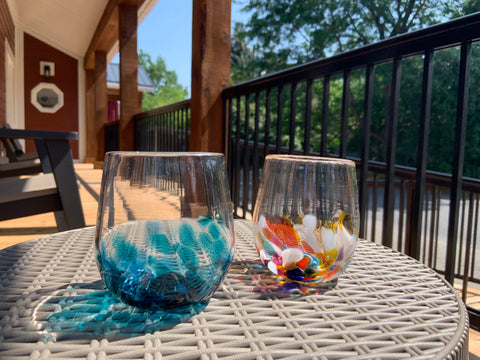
<point x="283" y="33"/>
<point x="293" y="32"/>
<point x="167" y="89"/>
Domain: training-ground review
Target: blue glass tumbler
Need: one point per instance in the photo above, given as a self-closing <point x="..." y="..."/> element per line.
<point x="164" y="234"/>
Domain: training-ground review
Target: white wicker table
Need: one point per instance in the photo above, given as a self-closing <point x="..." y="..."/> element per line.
<point x="385" y="306"/>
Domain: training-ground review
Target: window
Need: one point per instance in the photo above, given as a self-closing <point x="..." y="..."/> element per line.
<point x="47" y="97"/>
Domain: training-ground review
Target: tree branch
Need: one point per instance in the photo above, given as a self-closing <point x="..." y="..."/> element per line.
<point x="376" y="20"/>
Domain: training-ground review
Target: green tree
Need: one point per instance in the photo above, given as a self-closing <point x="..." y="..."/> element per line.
<point x="284" y="33"/>
<point x="251" y="60"/>
<point x="299" y="31"/>
<point x="167" y="89"/>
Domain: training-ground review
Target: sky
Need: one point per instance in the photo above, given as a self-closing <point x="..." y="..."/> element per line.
<point x="167" y="32"/>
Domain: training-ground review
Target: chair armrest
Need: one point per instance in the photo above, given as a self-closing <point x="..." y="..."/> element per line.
<point x="38" y="134"/>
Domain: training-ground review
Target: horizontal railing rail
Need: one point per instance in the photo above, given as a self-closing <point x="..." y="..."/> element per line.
<point x="367" y="104"/>
<point x="405" y="172"/>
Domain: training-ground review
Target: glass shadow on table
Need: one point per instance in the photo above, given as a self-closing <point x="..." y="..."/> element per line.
<point x="88" y="310"/>
<point x="91" y="311"/>
<point x="268" y="285"/>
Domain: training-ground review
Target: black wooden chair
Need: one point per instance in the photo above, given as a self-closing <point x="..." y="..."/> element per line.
<point x="19" y="162"/>
<point x="14" y="149"/>
<point x="53" y="189"/>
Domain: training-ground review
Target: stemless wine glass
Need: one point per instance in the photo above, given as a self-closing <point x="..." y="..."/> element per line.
<point x="306" y="217"/>
<point x="164" y="234"/>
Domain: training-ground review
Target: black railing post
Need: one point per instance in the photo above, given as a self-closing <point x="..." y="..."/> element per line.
<point x="238" y="156"/>
<point x="391" y="144"/>
<point x="255" y="177"/>
<point x="414" y="238"/>
<point x="458" y="158"/>
<point x="266" y="140"/>
<point x="228" y="143"/>
<point x="308" y="117"/>
<point x="468" y="245"/>
<point x="246" y="158"/>
<point x="279" y="119"/>
<point x="344" y="119"/>
<point x="325" y="101"/>
<point x="367" y="121"/>
<point x="293" y="110"/>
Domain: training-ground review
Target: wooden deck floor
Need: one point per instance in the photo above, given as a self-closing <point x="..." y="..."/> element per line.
<point x="31" y="227"/>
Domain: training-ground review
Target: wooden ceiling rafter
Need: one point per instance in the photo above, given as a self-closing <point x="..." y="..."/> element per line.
<point x="106" y="34"/>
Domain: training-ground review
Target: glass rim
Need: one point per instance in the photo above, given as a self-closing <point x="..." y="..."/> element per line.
<point x="163" y="153"/>
<point x="309" y="159"/>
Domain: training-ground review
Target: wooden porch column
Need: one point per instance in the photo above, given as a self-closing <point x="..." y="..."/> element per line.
<point x="101" y="103"/>
<point x="127" y="15"/>
<point x="210" y="72"/>
<point x="91" y="144"/>
<point x="7" y="33"/>
<point x="3" y="84"/>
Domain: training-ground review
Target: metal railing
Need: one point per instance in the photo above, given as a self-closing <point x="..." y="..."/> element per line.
<point x="111" y="136"/>
<point x="163" y="129"/>
<point x="330" y="108"/>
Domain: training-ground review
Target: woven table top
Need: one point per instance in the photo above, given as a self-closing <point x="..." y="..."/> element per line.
<point x="385" y="306"/>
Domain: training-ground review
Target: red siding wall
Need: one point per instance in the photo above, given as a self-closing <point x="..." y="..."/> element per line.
<point x="66" y="79"/>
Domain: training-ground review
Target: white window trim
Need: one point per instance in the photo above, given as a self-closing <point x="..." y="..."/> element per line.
<point x="40" y="107"/>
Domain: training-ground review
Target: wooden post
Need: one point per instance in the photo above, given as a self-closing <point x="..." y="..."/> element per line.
<point x="210" y="72"/>
<point x="101" y="103"/>
<point x="91" y="144"/>
<point x="3" y="85"/>
<point x="127" y="14"/>
<point x="7" y="33"/>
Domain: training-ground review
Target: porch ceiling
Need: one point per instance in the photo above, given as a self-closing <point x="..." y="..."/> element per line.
<point x="67" y="25"/>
